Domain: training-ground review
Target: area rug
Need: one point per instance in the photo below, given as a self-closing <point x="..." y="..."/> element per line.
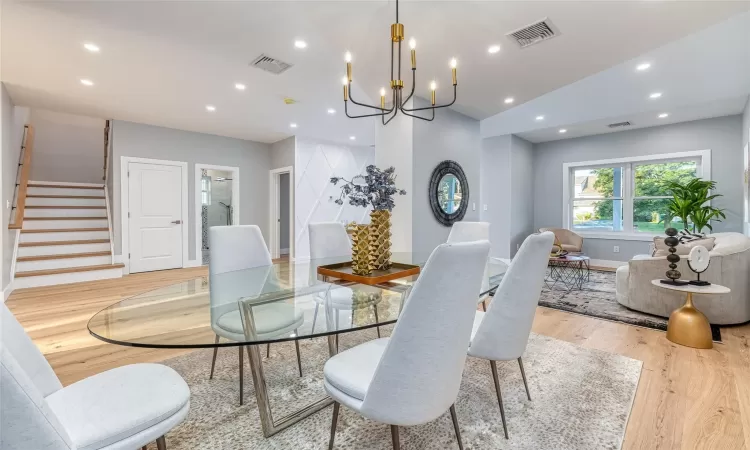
<point x="581" y="400"/>
<point x="597" y="299"/>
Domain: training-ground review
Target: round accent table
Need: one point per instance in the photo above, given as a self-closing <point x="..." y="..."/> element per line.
<point x="687" y="326"/>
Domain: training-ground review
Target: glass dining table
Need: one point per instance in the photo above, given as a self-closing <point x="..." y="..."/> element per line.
<point x="253" y="308"/>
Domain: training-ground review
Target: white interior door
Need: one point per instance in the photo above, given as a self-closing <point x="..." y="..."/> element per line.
<point x="155" y="207"/>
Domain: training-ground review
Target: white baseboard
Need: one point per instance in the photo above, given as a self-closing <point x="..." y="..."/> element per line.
<point x="194" y="263"/>
<point x="607" y="263"/>
<point x="7" y="291"/>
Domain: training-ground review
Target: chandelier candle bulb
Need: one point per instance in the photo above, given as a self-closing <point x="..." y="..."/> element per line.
<point x="413" y="46"/>
<point x="453" y="71"/>
<point x="382" y="98"/>
<point x="346" y="89"/>
<point x="433" y="87"/>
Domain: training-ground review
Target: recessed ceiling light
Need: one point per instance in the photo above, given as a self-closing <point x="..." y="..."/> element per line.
<point x="240" y="86"/>
<point x="210" y="108"/>
<point x="539" y="117"/>
<point x="293" y="125"/>
<point x="331" y="111"/>
<point x="300" y="44"/>
<point x="86" y="82"/>
<point x="563" y="130"/>
<point x="655" y="95"/>
<point x="642" y="67"/>
<point x="352" y="138"/>
<point x="663" y="115"/>
<point x="508" y="100"/>
<point x="93" y="48"/>
<point x="493" y="49"/>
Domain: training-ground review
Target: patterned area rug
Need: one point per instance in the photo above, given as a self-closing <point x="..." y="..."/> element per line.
<point x="597" y="299"/>
<point x="581" y="400"/>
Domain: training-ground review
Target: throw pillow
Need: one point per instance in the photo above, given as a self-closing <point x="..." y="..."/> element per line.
<point x="683" y="248"/>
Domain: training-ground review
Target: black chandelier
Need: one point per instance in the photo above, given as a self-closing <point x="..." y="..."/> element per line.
<point x="397" y="84"/>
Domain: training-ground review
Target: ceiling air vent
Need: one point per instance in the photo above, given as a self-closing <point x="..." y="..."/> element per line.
<point x="619" y="124"/>
<point x="269" y="64"/>
<point x="534" y="33"/>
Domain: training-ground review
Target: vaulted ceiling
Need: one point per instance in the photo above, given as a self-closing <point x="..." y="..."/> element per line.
<point x="162" y="62"/>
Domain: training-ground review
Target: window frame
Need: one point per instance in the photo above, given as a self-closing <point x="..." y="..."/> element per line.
<point x="703" y="170"/>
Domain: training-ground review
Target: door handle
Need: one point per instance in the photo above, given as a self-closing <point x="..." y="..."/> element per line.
<point x="176" y="222"/>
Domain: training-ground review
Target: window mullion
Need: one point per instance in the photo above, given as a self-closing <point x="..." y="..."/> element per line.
<point x="627" y="204"/>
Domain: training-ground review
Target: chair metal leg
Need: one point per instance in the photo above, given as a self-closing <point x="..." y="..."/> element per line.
<point x="484" y="305"/>
<point x="375" y="308"/>
<point x="299" y="360"/>
<point x="455" y="427"/>
<point x="161" y="443"/>
<point x="268" y="350"/>
<point x="213" y="361"/>
<point x="334" y="421"/>
<point x="523" y="375"/>
<point x="145" y="447"/>
<point x="493" y="366"/>
<point x="394" y="437"/>
<point x="241" y="377"/>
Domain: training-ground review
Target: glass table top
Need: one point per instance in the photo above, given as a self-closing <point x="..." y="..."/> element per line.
<point x="282" y="302"/>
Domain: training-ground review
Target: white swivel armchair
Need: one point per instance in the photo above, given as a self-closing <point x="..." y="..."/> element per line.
<point x="234" y="249"/>
<point x="469" y="232"/>
<point x="414" y="376"/>
<point x="329" y="241"/>
<point x="120" y="409"/>
<point x="501" y="334"/>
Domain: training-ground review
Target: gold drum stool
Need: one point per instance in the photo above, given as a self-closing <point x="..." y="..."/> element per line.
<point x="687" y="326"/>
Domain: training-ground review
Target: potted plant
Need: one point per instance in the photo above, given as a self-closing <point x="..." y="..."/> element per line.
<point x="690" y="202"/>
<point x="371" y="245"/>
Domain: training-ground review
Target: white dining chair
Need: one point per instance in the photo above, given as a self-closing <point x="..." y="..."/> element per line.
<point x="234" y="250"/>
<point x="469" y="232"/>
<point x="121" y="409"/>
<point x="329" y="243"/>
<point x="413" y="377"/>
<point x="501" y="333"/>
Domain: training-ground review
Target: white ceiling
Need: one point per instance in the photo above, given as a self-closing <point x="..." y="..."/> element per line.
<point x="162" y="62"/>
<point x="706" y="74"/>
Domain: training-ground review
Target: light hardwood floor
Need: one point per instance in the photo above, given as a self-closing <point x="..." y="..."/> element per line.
<point x="686" y="399"/>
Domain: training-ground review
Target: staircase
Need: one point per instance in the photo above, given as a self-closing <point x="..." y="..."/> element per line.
<point x="65" y="236"/>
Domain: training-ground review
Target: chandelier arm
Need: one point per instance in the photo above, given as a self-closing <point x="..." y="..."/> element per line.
<point x="413" y="85"/>
<point x="364" y="104"/>
<point x="385" y="122"/>
<point x="395" y="102"/>
<point x="418" y="117"/>
<point x="346" y="111"/>
<point x="433" y="106"/>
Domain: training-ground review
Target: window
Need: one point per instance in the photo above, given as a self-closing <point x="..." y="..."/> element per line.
<point x="206" y="190"/>
<point x="627" y="196"/>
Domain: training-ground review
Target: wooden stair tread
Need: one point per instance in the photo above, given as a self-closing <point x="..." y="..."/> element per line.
<point x="62" y="256"/>
<point x="88" y="197"/>
<point x="64" y="207"/>
<point x="67" y="218"/>
<point x="74" y="242"/>
<point x="63" y="230"/>
<point x="63" y="186"/>
<point x="36" y="273"/>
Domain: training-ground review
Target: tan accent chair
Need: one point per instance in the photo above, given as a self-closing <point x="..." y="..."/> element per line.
<point x="570" y="242"/>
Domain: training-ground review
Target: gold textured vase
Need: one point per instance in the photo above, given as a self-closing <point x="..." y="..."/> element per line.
<point x="360" y="249"/>
<point x="380" y="240"/>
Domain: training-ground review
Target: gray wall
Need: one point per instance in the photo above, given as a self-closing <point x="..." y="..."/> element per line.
<point x="284" y="188"/>
<point x="521" y="192"/>
<point x="721" y="135"/>
<point x="450" y="136"/>
<point x="67" y="147"/>
<point x="146" y="141"/>
<point x="495" y="192"/>
<point x="746" y="123"/>
<point x="282" y="153"/>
